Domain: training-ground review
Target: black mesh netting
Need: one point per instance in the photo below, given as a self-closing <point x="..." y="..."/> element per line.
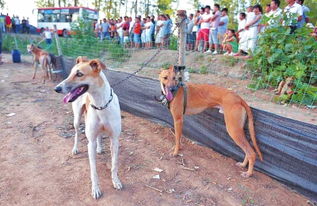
<point x="289" y="147"/>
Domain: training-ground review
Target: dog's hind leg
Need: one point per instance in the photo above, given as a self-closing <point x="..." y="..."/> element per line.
<point x="114" y="147"/>
<point x="99" y="144"/>
<point x="235" y="119"/>
<point x="35" y="65"/>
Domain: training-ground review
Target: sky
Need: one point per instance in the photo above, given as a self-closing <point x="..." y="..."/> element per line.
<point x="24" y="8"/>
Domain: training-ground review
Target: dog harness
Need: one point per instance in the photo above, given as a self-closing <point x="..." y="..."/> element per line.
<point x="106" y="105"/>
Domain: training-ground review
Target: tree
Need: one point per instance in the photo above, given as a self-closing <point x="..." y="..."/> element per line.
<point x="2" y="3"/>
<point x="164" y="6"/>
<point x="45" y="3"/>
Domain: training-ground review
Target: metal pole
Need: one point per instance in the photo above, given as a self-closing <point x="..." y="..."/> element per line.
<point x="59" y="49"/>
<point x="60" y="53"/>
<point x="181" y="15"/>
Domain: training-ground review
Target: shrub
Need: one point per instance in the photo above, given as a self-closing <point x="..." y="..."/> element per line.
<point x="279" y="55"/>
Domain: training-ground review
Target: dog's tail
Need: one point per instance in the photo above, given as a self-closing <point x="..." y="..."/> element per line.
<point x="251" y="128"/>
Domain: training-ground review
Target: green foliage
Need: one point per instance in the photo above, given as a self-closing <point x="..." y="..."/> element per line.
<point x="173" y="43"/>
<point x="165" y="7"/>
<point x="191" y="70"/>
<point x="231" y="61"/>
<point x="203" y="70"/>
<point x="280" y="55"/>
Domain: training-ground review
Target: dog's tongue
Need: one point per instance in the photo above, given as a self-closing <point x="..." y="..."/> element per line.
<point x="169" y="95"/>
<point x="67" y="97"/>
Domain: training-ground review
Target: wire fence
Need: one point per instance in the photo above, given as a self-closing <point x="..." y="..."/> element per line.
<point x="114" y="53"/>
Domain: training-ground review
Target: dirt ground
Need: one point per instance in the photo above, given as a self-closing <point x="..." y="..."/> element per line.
<point x="37" y="167"/>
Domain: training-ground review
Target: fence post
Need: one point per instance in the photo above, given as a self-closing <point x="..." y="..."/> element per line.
<point x="60" y="53"/>
<point x="181" y="16"/>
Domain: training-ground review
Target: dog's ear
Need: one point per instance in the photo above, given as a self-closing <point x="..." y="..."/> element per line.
<point x="81" y="59"/>
<point x="171" y="68"/>
<point x="97" y="65"/>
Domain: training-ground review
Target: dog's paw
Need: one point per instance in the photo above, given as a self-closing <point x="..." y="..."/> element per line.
<point x="116" y="183"/>
<point x="95" y="192"/>
<point x="75" y="151"/>
<point x="246" y="174"/>
<point x="240" y="164"/>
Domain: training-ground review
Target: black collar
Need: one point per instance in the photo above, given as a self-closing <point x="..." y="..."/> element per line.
<point x="106" y="105"/>
<point x="180" y="84"/>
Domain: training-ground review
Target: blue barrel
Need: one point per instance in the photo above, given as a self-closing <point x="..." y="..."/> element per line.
<point x="16" y="56"/>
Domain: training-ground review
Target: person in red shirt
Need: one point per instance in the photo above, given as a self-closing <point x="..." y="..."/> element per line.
<point x="8" y="23"/>
<point x="137" y="32"/>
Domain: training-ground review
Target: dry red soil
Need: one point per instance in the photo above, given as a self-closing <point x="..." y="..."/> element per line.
<point x="37" y="167"/>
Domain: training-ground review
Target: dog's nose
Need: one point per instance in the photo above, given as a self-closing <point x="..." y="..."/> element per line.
<point x="58" y="89"/>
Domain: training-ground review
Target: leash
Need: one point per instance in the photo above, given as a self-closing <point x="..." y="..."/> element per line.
<point x="106" y="105"/>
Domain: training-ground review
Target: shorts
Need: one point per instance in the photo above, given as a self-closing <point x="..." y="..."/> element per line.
<point x="203" y="34"/>
<point x="190" y="38"/>
<point x="148" y="37"/>
<point x="213" y="36"/>
<point x="48" y="41"/>
<point x="158" y="39"/>
<point x="137" y="38"/>
<point x="126" y="39"/>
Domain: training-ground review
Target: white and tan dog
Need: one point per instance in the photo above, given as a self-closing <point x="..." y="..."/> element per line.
<point x="90" y="93"/>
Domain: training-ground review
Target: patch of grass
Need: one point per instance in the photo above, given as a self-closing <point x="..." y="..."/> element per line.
<point x="192" y="70"/>
<point x="199" y="57"/>
<point x="203" y="70"/>
<point x="166" y="65"/>
<point x="230" y="61"/>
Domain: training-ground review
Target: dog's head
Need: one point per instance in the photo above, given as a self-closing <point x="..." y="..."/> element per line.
<point x="30" y="47"/>
<point x="289" y="81"/>
<point x="84" y="76"/>
<point x="168" y="82"/>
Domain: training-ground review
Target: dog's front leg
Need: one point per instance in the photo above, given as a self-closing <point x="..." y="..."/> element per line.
<point x="92" y="145"/>
<point x="114" y="147"/>
<point x="178" y="125"/>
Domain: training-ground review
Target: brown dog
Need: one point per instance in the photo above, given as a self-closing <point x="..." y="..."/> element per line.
<point x="41" y="57"/>
<point x="203" y="96"/>
<point x="286" y="87"/>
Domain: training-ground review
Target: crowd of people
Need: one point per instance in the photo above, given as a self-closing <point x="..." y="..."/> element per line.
<point x="14" y="24"/>
<point x="138" y="32"/>
<point x="207" y="29"/>
<point x="208" y="32"/>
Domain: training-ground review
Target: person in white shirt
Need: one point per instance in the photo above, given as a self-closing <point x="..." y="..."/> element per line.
<point x="213" y="34"/>
<point x="252" y="27"/>
<point x="294" y="13"/>
<point x="147" y="29"/>
<point x="204" y="22"/>
<point x="275" y="14"/>
<point x="196" y="28"/>
<point x="48" y="36"/>
<point x="305" y="18"/>
<point x="242" y="34"/>
<point x="119" y="30"/>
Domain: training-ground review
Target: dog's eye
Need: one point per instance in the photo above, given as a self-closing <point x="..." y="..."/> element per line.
<point x="79" y="74"/>
<point x="165" y="78"/>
